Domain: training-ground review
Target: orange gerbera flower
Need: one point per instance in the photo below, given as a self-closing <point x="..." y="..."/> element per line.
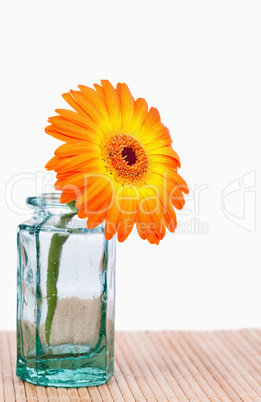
<point x="117" y="162"/>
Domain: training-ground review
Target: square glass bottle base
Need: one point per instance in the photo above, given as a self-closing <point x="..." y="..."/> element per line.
<point x="65" y="373"/>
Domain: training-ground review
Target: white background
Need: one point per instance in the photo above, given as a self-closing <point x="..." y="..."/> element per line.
<point x="199" y="63"/>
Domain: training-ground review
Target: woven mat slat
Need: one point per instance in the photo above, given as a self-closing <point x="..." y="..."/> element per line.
<point x="175" y="366"/>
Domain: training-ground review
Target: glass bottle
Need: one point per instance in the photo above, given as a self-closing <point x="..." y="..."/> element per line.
<point x="65" y="298"/>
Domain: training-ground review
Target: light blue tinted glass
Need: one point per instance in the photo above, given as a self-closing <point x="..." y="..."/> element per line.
<point x="65" y="309"/>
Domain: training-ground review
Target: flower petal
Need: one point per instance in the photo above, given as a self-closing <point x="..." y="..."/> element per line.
<point x="77" y="148"/>
<point x="139" y="114"/>
<point x="80" y="120"/>
<point x="113" y="104"/>
<point x="127" y="202"/>
<point x="89" y="109"/>
<point x="68" y="196"/>
<point x="71" y="101"/>
<point x="92" y="96"/>
<point x="74" y="162"/>
<point x="168" y="151"/>
<point x="70" y="129"/>
<point x="127" y="106"/>
<point x="111" y="225"/>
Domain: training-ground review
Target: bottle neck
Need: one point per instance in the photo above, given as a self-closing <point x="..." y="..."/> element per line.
<point x="49" y="204"/>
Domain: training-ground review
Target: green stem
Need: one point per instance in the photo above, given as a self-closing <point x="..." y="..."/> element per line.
<point x="54" y="258"/>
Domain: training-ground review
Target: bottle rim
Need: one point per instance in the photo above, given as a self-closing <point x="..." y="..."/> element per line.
<point x="46" y="200"/>
<point x="50" y="203"/>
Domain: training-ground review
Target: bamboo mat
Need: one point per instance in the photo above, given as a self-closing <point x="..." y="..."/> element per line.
<point x="158" y="366"/>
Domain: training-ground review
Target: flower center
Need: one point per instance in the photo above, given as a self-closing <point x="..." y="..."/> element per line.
<point x="125" y="159"/>
<point x="129" y="155"/>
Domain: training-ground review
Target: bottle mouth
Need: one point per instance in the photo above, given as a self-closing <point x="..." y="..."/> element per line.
<point x="46" y="201"/>
<point x="50" y="203"/>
